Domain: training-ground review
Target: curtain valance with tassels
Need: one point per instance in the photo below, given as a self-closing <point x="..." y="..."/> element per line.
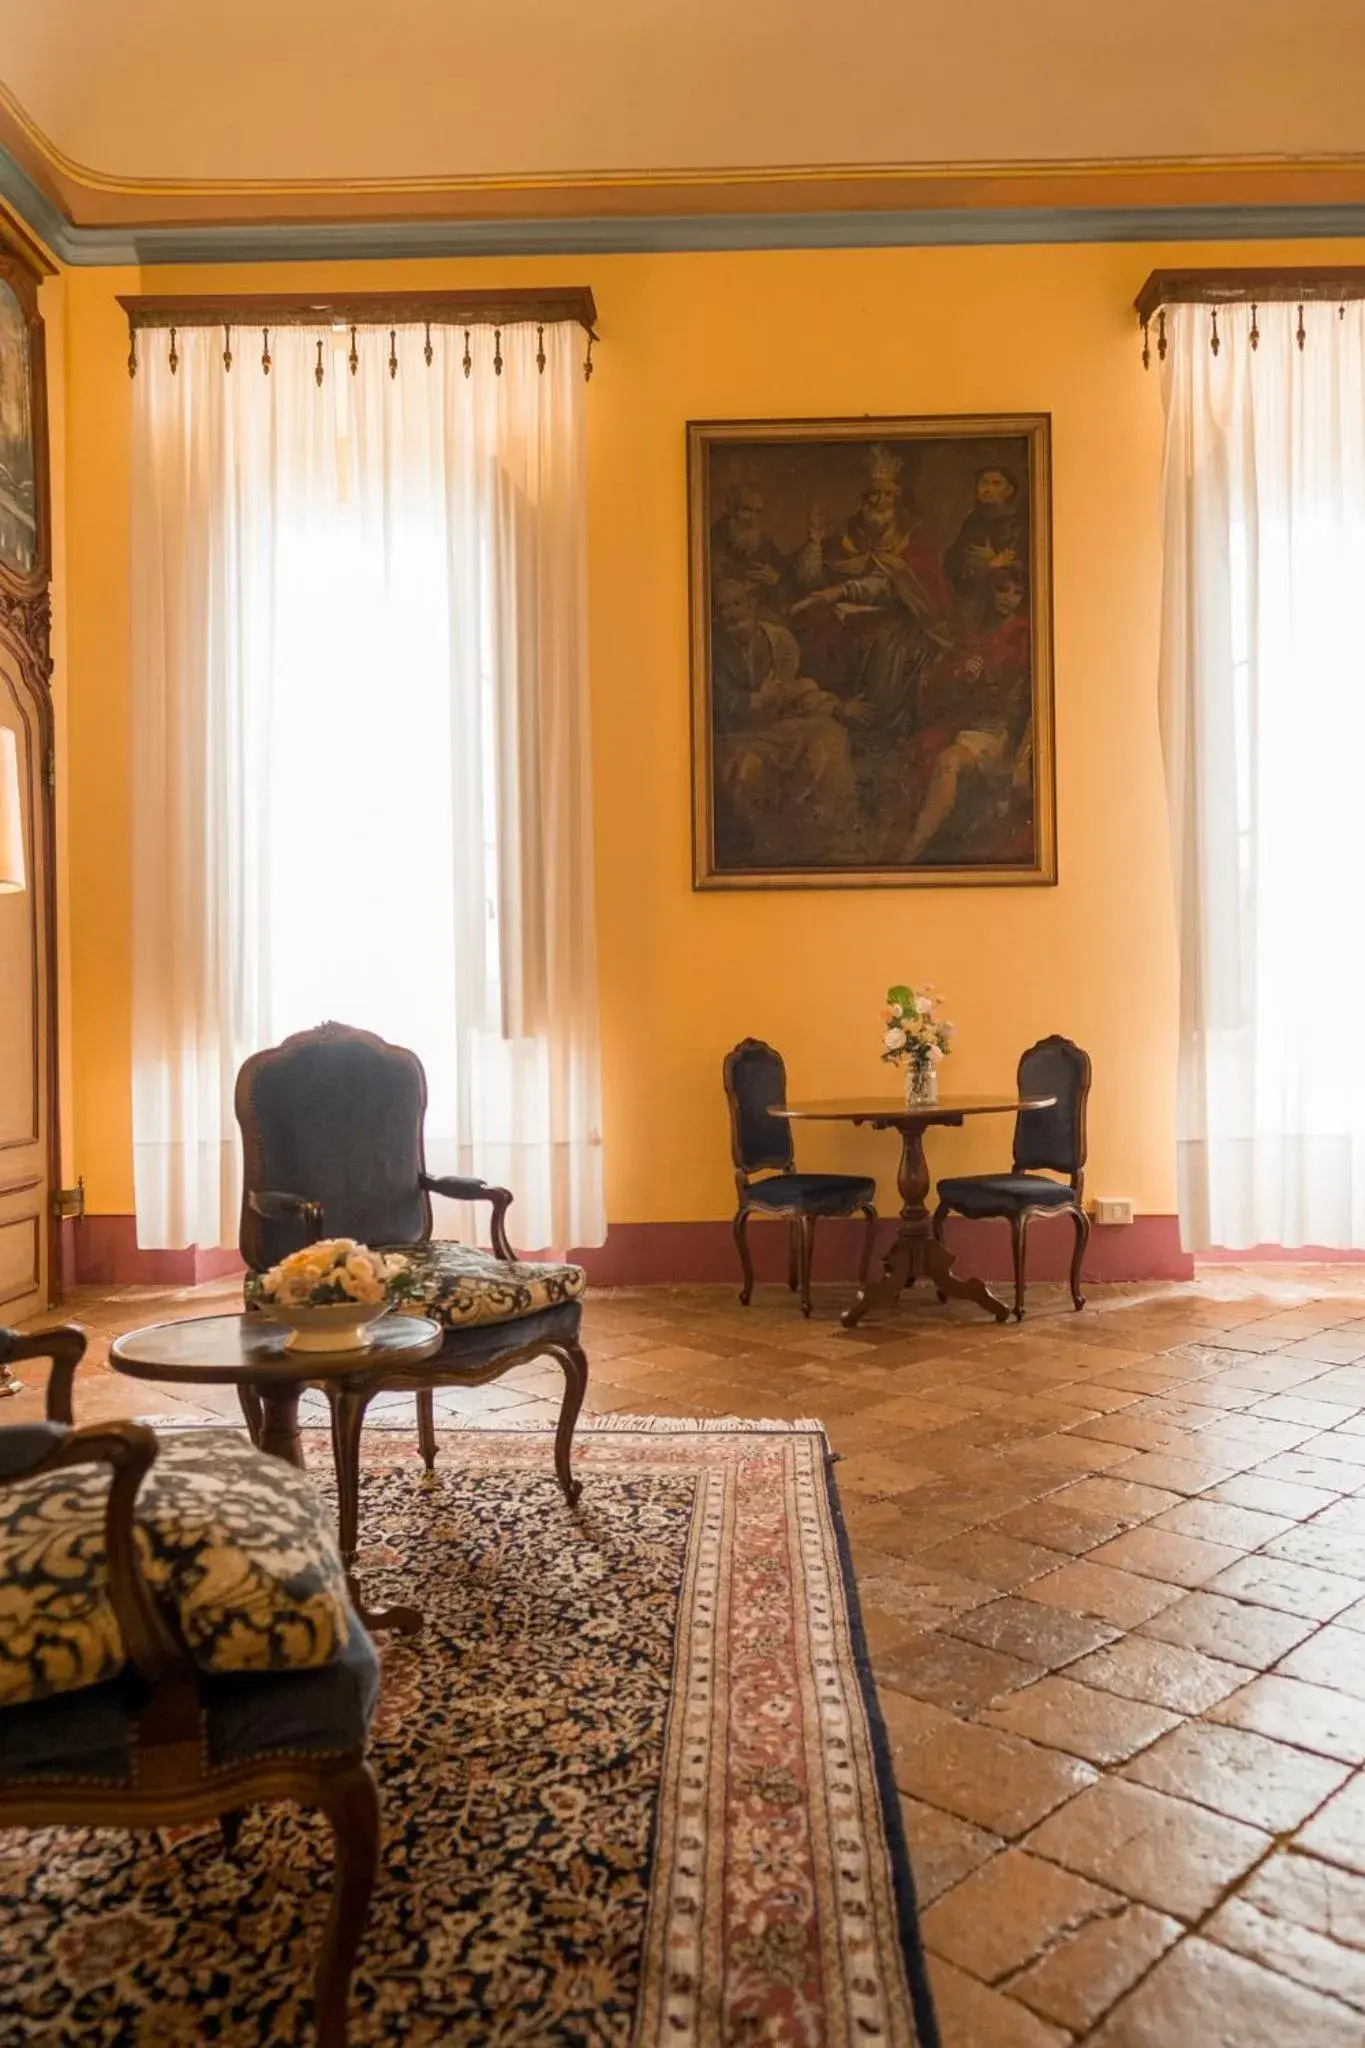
<point x="242" y="318"/>
<point x="1219" y="290"/>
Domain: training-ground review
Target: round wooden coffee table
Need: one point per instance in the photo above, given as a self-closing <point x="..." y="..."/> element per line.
<point x="250" y="1353"/>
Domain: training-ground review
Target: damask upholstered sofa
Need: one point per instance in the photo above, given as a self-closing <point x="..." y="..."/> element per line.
<point x="179" y="1644"/>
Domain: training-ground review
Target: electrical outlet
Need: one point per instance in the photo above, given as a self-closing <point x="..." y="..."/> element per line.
<point x="1113" y="1209"/>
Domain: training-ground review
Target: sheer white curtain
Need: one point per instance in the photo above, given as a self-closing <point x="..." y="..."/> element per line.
<point x="361" y="774"/>
<point x="1263" y="713"/>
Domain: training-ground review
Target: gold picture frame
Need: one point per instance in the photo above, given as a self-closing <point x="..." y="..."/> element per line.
<point x="871" y="652"/>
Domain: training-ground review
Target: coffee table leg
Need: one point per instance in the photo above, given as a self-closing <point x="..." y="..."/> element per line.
<point x="348" y="1416"/>
<point x="279" y="1426"/>
<point x="249" y="1402"/>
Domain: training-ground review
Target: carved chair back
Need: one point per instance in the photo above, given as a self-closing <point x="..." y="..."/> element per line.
<point x="756" y="1084"/>
<point x="336" y="1115"/>
<point x="1053" y="1139"/>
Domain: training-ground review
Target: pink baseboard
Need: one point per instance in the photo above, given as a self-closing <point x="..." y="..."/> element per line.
<point x="1283" y="1254"/>
<point x="104" y="1251"/>
<point x="644" y="1254"/>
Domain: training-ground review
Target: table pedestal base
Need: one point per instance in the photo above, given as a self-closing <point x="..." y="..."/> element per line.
<point x="917" y="1254"/>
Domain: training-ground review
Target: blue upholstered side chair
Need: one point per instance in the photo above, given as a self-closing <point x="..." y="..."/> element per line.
<point x="126" y="1704"/>
<point x="761" y="1145"/>
<point x="1046" y="1141"/>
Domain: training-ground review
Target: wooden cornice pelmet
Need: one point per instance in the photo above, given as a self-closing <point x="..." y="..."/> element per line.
<point x="506" y="308"/>
<point x="551" y="305"/>
<point x="1250" y="286"/>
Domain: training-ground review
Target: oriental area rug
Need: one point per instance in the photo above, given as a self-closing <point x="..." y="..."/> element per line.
<point x="633" y="1781"/>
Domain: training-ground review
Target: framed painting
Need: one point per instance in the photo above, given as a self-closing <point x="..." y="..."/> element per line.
<point x="22" y="511"/>
<point x="871" y="632"/>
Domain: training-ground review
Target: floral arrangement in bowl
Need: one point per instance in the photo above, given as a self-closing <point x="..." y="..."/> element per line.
<point x="913" y="1033"/>
<point x="329" y="1293"/>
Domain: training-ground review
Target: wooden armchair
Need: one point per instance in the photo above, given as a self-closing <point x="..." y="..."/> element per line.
<point x="165" y="1742"/>
<point x="332" y="1141"/>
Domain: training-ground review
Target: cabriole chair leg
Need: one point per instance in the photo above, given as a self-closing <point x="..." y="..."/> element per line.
<point x="574" y="1359"/>
<point x="807" y="1230"/>
<point x="746" y="1263"/>
<point x="941" y="1215"/>
<point x="426" y="1433"/>
<point x="1082" y="1222"/>
<point x="1018" y="1245"/>
<point x="351" y="1804"/>
<point x="869" y="1244"/>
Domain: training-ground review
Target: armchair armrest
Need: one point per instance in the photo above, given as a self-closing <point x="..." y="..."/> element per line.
<point x="65" y="1347"/>
<point x="458" y="1189"/>
<point x="277" y="1207"/>
<point x="130" y="1448"/>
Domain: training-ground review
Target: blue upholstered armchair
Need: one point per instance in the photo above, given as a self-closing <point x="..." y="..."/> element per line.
<point x="113" y="1711"/>
<point x="765" y="1170"/>
<point x="333" y="1142"/>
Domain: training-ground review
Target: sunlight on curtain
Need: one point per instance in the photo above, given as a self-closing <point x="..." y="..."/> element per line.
<point x="1263" y="712"/>
<point x="361" y="754"/>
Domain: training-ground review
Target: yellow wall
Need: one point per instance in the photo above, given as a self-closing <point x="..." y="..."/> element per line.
<point x="683" y="975"/>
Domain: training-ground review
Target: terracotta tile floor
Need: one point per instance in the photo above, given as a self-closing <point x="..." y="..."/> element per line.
<point x="1113" y="1574"/>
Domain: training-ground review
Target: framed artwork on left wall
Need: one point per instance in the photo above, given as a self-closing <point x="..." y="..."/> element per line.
<point x="19" y="530"/>
<point x="871" y="647"/>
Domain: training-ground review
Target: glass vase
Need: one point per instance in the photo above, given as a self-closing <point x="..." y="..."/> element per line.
<point x="921" y="1082"/>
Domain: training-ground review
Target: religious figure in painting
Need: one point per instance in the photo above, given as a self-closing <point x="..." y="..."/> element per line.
<point x="984" y="724"/>
<point x="739" y="546"/>
<point x="781" y="740"/>
<point x="991" y="538"/>
<point x="18" y="486"/>
<point x="871" y="696"/>
<point x="883" y="580"/>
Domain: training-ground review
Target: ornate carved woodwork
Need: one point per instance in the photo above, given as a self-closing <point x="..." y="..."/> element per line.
<point x="28" y="939"/>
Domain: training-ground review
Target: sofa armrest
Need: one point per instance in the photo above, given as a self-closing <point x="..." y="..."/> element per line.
<point x="130" y="1448"/>
<point x="458" y="1189"/>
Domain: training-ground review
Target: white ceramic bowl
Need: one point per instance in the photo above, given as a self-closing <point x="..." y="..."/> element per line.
<point x="333" y="1326"/>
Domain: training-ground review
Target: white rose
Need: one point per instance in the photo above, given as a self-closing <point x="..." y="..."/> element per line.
<point x="895" y="1039"/>
<point x="935" y="1055"/>
<point x="361" y="1286"/>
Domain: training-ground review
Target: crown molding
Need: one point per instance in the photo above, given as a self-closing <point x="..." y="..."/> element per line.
<point x="658" y="233"/>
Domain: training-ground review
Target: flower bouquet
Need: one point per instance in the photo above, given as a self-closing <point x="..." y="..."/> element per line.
<point x="330" y="1293"/>
<point x="911" y="1032"/>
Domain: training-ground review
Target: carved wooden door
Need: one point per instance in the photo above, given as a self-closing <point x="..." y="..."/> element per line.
<point x="28" y="1105"/>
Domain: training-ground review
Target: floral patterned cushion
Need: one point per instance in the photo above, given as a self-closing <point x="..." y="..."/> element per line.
<point x="459" y="1286"/>
<point x="238" y="1543"/>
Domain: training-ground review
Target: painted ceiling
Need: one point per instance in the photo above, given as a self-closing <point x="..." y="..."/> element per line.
<point x="167" y="91"/>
